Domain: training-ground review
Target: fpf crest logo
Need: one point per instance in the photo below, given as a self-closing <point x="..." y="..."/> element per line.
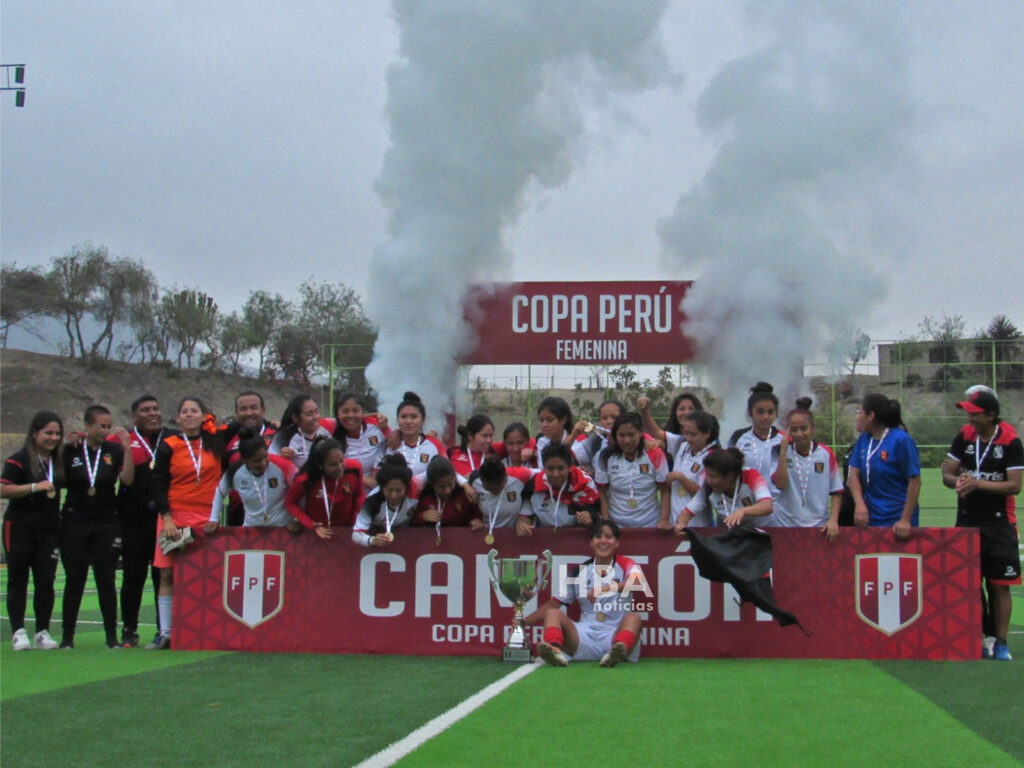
<point x="889" y="590"/>
<point x="253" y="585"/>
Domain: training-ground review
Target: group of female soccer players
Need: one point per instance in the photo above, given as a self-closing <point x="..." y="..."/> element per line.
<point x="352" y="471"/>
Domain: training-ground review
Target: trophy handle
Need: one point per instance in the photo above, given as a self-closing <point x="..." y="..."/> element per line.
<point x="543" y="569"/>
<point x="491" y="556"/>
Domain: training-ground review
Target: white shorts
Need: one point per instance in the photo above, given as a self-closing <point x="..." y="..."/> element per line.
<point x="596" y="641"/>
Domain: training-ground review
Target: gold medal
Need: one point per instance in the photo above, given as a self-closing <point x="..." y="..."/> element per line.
<point x="631" y="503"/>
<point x="152" y="463"/>
<point x="600" y="616"/>
<point x="489" y="539"/>
<point x="681" y="491"/>
<point x="437" y="542"/>
<point x="51" y="494"/>
<point x="388" y="535"/>
<point x="91" y="491"/>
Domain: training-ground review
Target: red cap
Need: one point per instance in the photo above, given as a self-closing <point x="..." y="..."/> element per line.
<point x="979" y="402"/>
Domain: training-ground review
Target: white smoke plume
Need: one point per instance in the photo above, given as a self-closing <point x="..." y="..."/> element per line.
<point x="485" y="102"/>
<point x="816" y="126"/>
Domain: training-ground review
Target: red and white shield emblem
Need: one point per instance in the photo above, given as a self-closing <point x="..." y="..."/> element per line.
<point x="889" y="590"/>
<point x="253" y="585"/>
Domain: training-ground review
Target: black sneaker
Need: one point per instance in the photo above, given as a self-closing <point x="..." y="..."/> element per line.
<point x="129" y="639"/>
<point x="67" y="643"/>
<point x="112" y="641"/>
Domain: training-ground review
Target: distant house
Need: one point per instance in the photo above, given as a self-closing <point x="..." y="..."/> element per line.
<point x="984" y="361"/>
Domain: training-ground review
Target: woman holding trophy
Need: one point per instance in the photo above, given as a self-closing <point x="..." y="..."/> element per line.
<point x="609" y="627"/>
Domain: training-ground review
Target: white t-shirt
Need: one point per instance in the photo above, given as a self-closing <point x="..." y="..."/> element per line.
<point x="690" y="464"/>
<point x="419" y="455"/>
<point x="711" y="508"/>
<point x="262" y="497"/>
<point x="505" y="507"/>
<point x="812" y="481"/>
<point x="606" y="610"/>
<point x="632" y="486"/>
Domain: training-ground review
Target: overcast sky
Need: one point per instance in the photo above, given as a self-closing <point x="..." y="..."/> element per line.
<point x="235" y="146"/>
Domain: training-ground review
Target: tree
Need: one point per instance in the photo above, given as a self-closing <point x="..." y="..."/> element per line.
<point x="264" y="316"/>
<point x="125" y="289"/>
<point x="848" y="352"/>
<point x="76" y="277"/>
<point x="945" y="333"/>
<point x="25" y="293"/>
<point x="1004" y="350"/>
<point x="232" y="341"/>
<point x="326" y="314"/>
<point x="189" y="316"/>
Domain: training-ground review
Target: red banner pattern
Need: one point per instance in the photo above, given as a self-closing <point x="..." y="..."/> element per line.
<point x="865" y="596"/>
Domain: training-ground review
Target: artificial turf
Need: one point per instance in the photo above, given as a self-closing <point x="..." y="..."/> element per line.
<point x="714" y="713"/>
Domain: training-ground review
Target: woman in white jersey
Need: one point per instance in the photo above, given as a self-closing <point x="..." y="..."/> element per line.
<point x="588" y="446"/>
<point x="408" y="441"/>
<point x="389" y="507"/>
<point x="500" y="496"/>
<point x="760" y="442"/>
<point x="301" y="426"/>
<point x="364" y="436"/>
<point x="261" y="482"/>
<point x="809" y="480"/>
<point x="731" y="495"/>
<point x="610" y="624"/>
<point x="632" y="479"/>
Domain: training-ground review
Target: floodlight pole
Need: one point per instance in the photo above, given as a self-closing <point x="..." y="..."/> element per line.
<point x="14" y="73"/>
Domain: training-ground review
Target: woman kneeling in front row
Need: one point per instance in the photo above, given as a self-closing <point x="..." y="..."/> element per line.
<point x="608" y="629"/>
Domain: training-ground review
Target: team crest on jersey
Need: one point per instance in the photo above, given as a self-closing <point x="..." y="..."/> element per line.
<point x="272" y="482"/>
<point x="346" y="487"/>
<point x="76" y="462"/>
<point x="424" y="458"/>
<point x="889" y="590"/>
<point x="969" y="449"/>
<point x="819" y="467"/>
<point x="885" y="455"/>
<point x="512" y="495"/>
<point x="746" y="501"/>
<point x="997" y="452"/>
<point x="696" y="467"/>
<point x="373" y="441"/>
<point x="253" y="585"/>
<point x="645" y="469"/>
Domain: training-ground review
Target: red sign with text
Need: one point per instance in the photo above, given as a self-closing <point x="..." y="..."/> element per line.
<point x="864" y="596"/>
<point x="578" y="323"/>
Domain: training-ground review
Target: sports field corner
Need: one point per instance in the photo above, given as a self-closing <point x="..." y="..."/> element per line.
<point x="97" y="707"/>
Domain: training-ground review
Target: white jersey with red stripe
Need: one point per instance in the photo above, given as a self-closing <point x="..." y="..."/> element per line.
<point x="586" y="449"/>
<point x="632" y="486"/>
<point x="607" y="610"/>
<point x="262" y="496"/>
<point x="711" y="507"/>
<point x="813" y="479"/>
<point x="557" y="506"/>
<point x="419" y="455"/>
<point x="300" y="444"/>
<point x="762" y="455"/>
<point x="368" y="446"/>
<point x="690" y="464"/>
<point x="377" y="515"/>
<point x="505" y="506"/>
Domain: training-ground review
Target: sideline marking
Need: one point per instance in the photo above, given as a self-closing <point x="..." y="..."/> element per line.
<point x="401" y="748"/>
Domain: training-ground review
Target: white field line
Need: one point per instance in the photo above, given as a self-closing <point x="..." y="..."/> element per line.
<point x="392" y="754"/>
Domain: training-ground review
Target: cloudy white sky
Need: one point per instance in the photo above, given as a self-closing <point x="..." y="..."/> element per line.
<point x="235" y="146"/>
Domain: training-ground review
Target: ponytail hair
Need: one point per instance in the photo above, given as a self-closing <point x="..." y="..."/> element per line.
<point x="438" y="468"/>
<point x="314" y="466"/>
<point x="887" y="411"/>
<point x="413" y="400"/>
<point x="249" y="442"/>
<point x="210" y="436"/>
<point x="394" y="467"/>
<point x="760" y="392"/>
<point x="803" y="407"/>
<point x="706" y="424"/>
<point x="493" y="470"/>
<point x="473" y="424"/>
<point x="725" y="461"/>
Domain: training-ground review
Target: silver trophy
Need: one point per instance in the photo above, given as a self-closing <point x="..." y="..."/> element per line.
<point x="518" y="580"/>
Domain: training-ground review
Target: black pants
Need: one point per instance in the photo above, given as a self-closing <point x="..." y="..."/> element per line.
<point x="83" y="544"/>
<point x="138" y="542"/>
<point x="32" y="550"/>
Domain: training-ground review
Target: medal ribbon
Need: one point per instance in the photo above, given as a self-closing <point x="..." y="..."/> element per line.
<point x="979" y="457"/>
<point x="196" y="462"/>
<point x="91" y="469"/>
<point x="145" y="444"/>
<point x="872" y="450"/>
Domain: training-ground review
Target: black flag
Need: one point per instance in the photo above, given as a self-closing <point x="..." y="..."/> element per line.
<point x="741" y="557"/>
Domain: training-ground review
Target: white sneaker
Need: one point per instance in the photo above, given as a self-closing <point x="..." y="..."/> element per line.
<point x="552" y="655"/>
<point x="988" y="647"/>
<point x="44" y="642"/>
<point x="618" y="652"/>
<point x="20" y="640"/>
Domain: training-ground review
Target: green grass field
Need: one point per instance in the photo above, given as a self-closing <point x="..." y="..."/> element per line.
<point x="96" y="707"/>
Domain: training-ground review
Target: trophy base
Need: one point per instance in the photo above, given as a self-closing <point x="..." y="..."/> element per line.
<point x="517" y="655"/>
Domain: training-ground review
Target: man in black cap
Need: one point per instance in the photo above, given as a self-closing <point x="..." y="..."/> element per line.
<point x="985" y="466"/>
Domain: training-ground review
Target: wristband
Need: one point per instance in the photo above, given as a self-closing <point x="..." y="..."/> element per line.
<point x="31" y="489"/>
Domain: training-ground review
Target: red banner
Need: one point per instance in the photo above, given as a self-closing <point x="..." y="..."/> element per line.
<point x="578" y="323"/>
<point x="865" y="596"/>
